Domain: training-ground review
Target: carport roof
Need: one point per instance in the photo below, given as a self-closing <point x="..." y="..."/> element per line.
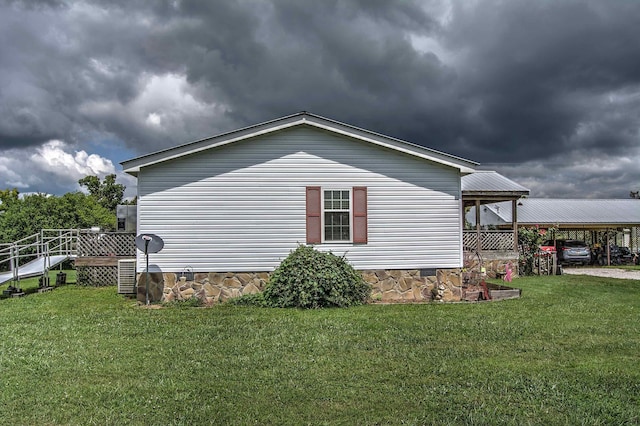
<point x="580" y="213"/>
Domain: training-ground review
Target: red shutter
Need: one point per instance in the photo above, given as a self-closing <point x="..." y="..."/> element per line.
<point x="314" y="212"/>
<point x="360" y="214"/>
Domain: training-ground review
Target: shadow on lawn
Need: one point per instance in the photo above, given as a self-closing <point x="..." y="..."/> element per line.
<point x="34" y="285"/>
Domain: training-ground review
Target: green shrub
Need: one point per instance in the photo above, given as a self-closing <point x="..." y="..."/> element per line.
<point x="308" y="278"/>
<point x="529" y="241"/>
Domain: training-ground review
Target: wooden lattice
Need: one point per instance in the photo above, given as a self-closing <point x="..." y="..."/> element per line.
<point x="107" y="244"/>
<point x="469" y="240"/>
<point x="92" y="247"/>
<point x="635" y="239"/>
<point x="489" y="240"/>
<point x="97" y="276"/>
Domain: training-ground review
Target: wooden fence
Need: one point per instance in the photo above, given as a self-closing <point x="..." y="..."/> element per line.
<point x="98" y="255"/>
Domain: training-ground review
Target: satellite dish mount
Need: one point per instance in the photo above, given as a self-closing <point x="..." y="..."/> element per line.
<point x="148" y="243"/>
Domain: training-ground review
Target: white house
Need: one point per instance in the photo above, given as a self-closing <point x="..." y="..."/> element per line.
<point x="241" y="201"/>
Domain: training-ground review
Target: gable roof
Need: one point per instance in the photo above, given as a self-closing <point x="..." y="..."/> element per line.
<point x="572" y="212"/>
<point x="485" y="182"/>
<point x="134" y="165"/>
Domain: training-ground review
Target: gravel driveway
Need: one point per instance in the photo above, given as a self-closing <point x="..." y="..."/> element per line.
<point x="603" y="272"/>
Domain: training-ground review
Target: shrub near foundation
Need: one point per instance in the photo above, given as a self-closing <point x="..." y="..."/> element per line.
<point x="308" y="278"/>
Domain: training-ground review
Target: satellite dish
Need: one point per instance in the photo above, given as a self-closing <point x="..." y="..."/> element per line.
<point x="149" y="243"/>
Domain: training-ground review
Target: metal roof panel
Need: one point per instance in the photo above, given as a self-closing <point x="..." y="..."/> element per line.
<point x="490" y="181"/>
<point x="572" y="211"/>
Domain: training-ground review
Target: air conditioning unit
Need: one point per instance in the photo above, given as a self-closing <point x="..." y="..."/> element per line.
<point x="127" y="276"/>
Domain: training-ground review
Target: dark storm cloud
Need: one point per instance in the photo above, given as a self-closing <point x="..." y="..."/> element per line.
<point x="544" y="86"/>
<point x="541" y="70"/>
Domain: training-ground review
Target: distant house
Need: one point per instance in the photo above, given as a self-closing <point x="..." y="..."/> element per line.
<point x="233" y="206"/>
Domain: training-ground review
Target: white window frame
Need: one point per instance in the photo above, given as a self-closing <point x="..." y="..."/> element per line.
<point x="350" y="212"/>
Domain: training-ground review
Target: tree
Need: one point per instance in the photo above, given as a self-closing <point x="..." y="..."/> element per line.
<point x="8" y="197"/>
<point x="107" y="193"/>
<point x="23" y="217"/>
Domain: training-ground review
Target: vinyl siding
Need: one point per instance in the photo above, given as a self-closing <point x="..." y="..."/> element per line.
<point x="241" y="207"/>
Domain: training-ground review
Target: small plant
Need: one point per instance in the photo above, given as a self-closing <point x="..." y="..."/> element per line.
<point x="308" y="278"/>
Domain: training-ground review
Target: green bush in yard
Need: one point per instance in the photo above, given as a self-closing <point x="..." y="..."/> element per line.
<point x="308" y="278"/>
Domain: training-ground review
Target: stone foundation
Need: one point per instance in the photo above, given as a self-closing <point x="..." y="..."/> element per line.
<point x="210" y="287"/>
<point x="494" y="262"/>
<point x="390" y="286"/>
<point x="411" y="286"/>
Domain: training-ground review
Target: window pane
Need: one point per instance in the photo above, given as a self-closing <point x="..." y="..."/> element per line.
<point x="344" y="236"/>
<point x="336" y="226"/>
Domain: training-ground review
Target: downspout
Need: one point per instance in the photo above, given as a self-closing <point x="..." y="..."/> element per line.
<point x="608" y="249"/>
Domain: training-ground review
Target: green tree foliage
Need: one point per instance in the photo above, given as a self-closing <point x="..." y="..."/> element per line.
<point x="8" y="197"/>
<point x="108" y="193"/>
<point x="530" y="239"/>
<point x="27" y="216"/>
<point x="308" y="278"/>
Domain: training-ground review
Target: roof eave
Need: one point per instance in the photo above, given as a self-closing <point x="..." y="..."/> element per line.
<point x="510" y="194"/>
<point x="578" y="225"/>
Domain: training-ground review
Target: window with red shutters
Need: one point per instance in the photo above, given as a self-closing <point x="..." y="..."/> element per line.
<point x="336" y="215"/>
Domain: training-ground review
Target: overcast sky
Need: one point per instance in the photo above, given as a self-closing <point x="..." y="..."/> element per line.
<point x="546" y="92"/>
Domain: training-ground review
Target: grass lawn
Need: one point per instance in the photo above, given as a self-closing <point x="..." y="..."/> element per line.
<point x="567" y="352"/>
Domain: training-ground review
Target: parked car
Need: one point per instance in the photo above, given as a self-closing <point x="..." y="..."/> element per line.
<point x="548" y="247"/>
<point x="626" y="256"/>
<point x="571" y="251"/>
<point x="617" y="255"/>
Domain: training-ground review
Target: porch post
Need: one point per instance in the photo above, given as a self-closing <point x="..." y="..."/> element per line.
<point x="514" y="223"/>
<point x="478" y="244"/>
<point x="608" y="249"/>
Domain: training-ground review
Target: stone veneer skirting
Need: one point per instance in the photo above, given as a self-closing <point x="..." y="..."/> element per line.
<point x="446" y="285"/>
